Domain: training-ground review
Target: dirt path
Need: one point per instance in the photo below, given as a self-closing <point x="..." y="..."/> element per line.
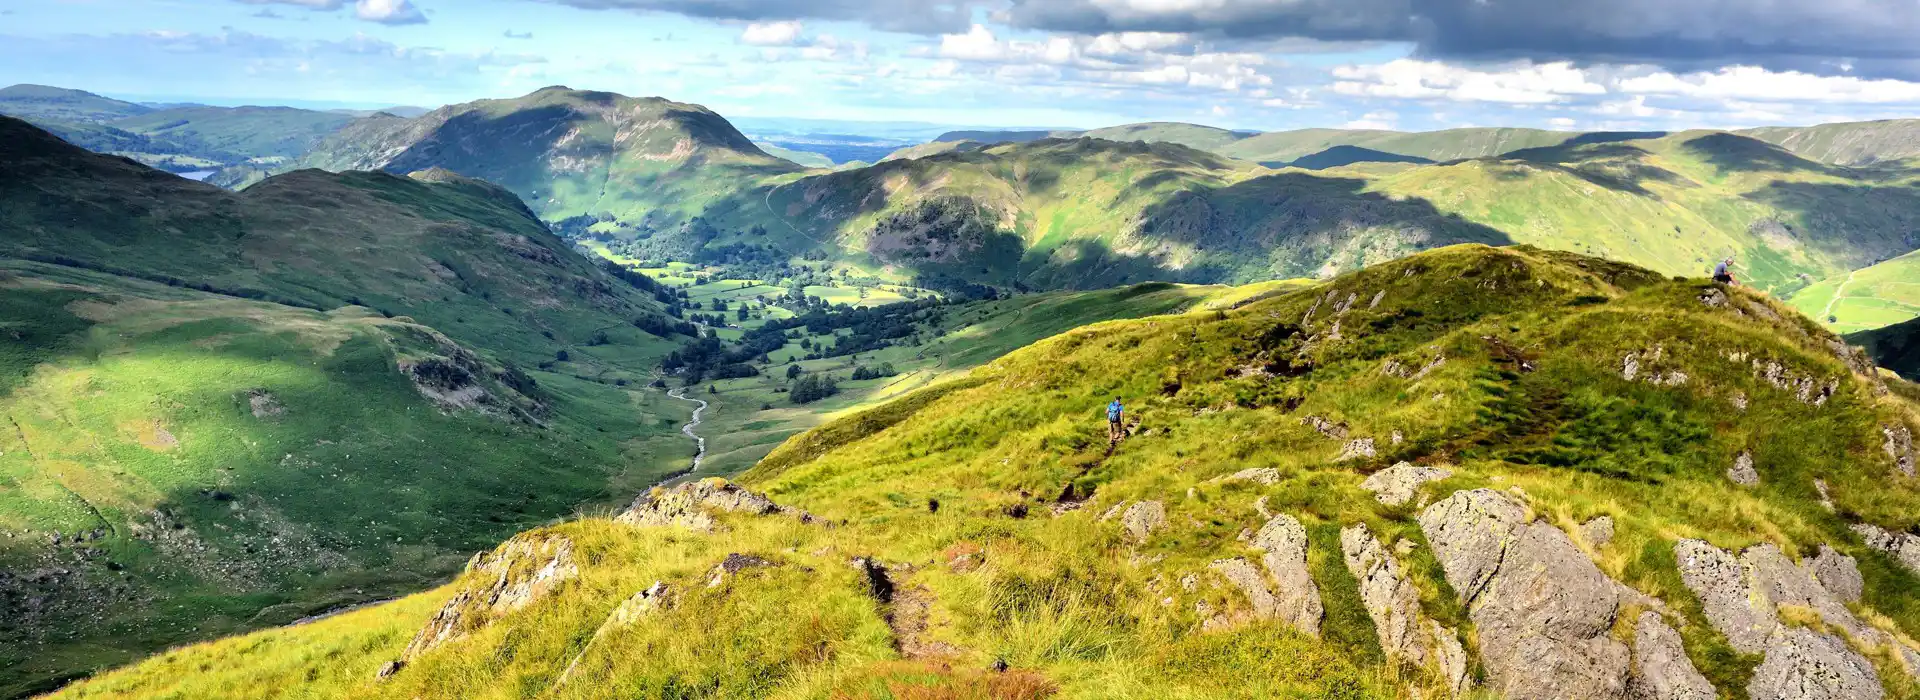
<point x="701" y="455"/>
<point x="1838" y="292"/>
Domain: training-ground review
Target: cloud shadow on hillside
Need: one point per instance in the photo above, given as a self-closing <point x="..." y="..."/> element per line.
<point x="1293" y="224"/>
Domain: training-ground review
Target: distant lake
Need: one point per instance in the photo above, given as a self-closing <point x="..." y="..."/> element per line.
<point x="200" y="175"/>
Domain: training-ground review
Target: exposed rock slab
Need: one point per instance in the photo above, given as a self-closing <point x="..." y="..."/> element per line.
<point x="1899" y="446"/>
<point x="1661" y="669"/>
<point x="1265" y="476"/>
<point x="1742" y="471"/>
<point x="1406" y="634"/>
<point x="1903" y="546"/>
<point x="1283" y="542"/>
<point x="1726" y="596"/>
<point x="1839" y="574"/>
<point x="1802" y="664"/>
<point x="1399" y="483"/>
<point x="1598" y="531"/>
<point x="1543" y="610"/>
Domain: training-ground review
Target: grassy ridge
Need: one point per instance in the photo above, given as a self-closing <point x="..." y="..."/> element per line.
<point x="1530" y="399"/>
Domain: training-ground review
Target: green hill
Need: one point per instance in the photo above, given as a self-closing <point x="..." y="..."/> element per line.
<point x="1340" y="156"/>
<point x="37" y="102"/>
<point x="226" y="411"/>
<point x="1449" y="144"/>
<point x="1879" y="295"/>
<point x="241" y="133"/>
<point x="1205" y="138"/>
<point x="647" y="162"/>
<point x="1492" y="473"/>
<point x="1851" y="143"/>
<point x="1089" y="213"/>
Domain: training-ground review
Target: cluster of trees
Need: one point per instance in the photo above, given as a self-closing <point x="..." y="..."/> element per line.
<point x="883" y="371"/>
<point x="809" y="388"/>
<point x="708" y="358"/>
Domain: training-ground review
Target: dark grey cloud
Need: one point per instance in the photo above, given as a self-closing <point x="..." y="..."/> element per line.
<point x="916" y="16"/>
<point x="1871" y="38"/>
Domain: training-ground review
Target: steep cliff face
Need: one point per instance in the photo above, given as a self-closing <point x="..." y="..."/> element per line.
<point x="1541" y="510"/>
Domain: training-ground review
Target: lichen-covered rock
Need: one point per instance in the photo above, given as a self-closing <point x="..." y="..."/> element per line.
<point x="1899" y="446"/>
<point x="1544" y="621"/>
<point x="1470" y="531"/>
<point x="1742" y="471"/>
<point x="1244" y="576"/>
<point x="1406" y="635"/>
<point x="1399" y="483"/>
<point x="1725" y="594"/>
<point x="1903" y="546"/>
<point x="1265" y="476"/>
<point x="1598" y="531"/>
<point x="1390" y="599"/>
<point x="1839" y="574"/>
<point x="1802" y="664"/>
<point x="1661" y="669"/>
<point x="1356" y="449"/>
<point x="1141" y="519"/>
<point x="1283" y="542"/>
<point x="1782" y="583"/>
<point x="526" y="569"/>
<point x="691" y="505"/>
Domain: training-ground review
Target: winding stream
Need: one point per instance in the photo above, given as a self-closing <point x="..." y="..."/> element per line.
<point x="701" y="455"/>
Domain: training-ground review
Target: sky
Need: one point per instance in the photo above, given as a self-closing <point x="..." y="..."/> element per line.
<point x="1243" y="64"/>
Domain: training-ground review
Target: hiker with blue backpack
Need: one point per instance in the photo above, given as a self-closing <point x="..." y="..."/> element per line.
<point x="1114" y="413"/>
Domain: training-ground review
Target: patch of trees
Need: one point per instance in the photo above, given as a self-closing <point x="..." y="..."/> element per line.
<point x="704" y="358"/>
<point x="812" y="387"/>
<point x="881" y="372"/>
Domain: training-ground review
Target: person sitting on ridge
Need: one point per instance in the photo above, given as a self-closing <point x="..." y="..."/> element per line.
<point x="1723" y="272"/>
<point x="1114" y="413"/>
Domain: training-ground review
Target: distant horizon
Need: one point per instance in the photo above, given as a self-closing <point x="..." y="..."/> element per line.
<point x="325" y="105"/>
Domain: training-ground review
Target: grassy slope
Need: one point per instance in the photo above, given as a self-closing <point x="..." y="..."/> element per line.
<point x="1205" y="138"/>
<point x="1872" y="297"/>
<point x="1088" y="213"/>
<point x="802" y="158"/>
<point x="1075" y="608"/>
<point x="241" y="133"/>
<point x="128" y="399"/>
<point x="60" y="104"/>
<point x="1852" y="143"/>
<point x="951" y="343"/>
<point x="1450" y="144"/>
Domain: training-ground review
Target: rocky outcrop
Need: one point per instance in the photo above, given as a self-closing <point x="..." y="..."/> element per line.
<point x="1899" y="447"/>
<point x="692" y="505"/>
<point x="1904" y="547"/>
<point x="1141" y="520"/>
<point x="1598" y="531"/>
<point x="519" y="573"/>
<point x="1742" y="471"/>
<point x="1470" y="531"/>
<point x="1802" y="664"/>
<point x="629" y="612"/>
<point x="1356" y="449"/>
<point x="1726" y="596"/>
<point x="1392" y="602"/>
<point x="1283" y="544"/>
<point x="1399" y="483"/>
<point x="1742" y="600"/>
<point x="1839" y="574"/>
<point x="1661" y="669"/>
<point x="1542" y="609"/>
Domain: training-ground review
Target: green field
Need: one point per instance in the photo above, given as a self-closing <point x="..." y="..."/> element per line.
<point x="1874" y="297"/>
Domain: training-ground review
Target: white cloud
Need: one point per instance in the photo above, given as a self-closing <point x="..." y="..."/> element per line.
<point x="1514" y="83"/>
<point x="388" y="12"/>
<point x="1753" y="83"/>
<point x="771" y="34"/>
<point x="1382" y="121"/>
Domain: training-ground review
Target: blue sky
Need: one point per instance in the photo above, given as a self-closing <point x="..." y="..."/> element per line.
<point x="1254" y="64"/>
